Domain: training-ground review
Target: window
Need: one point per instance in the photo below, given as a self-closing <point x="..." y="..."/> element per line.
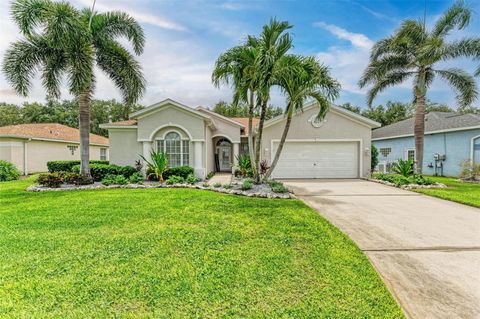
<point x="177" y="150"/>
<point x="411" y="155"/>
<point x="103" y="154"/>
<point x="72" y="148"/>
<point x="385" y="151"/>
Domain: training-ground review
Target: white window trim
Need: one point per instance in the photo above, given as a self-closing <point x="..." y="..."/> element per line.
<point x="182" y="152"/>
<point x="472" y="147"/>
<point x="405" y="155"/>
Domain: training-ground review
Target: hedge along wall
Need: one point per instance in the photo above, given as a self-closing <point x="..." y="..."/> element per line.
<point x="66" y="166"/>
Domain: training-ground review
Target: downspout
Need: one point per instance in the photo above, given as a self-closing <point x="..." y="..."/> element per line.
<point x="25" y="156"/>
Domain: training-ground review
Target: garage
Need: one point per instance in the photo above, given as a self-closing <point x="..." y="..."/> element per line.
<point x="318" y="159"/>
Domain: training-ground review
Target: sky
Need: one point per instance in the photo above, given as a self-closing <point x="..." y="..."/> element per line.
<point x="184" y="38"/>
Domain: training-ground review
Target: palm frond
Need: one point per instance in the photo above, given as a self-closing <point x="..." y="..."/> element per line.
<point x="30" y="14"/>
<point x="463" y="83"/>
<point x="122" y="68"/>
<point x="457" y="16"/>
<point x="467" y="47"/>
<point x="109" y="25"/>
<point x="381" y="66"/>
<point x="388" y="80"/>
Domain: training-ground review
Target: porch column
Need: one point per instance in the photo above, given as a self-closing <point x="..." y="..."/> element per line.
<point x="236" y="151"/>
<point x="197" y="161"/>
<point x="147" y="147"/>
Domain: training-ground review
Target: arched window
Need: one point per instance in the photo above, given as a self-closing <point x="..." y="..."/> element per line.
<point x="177" y="150"/>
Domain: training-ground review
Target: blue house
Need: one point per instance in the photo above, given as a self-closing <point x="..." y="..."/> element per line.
<point x="450" y="139"/>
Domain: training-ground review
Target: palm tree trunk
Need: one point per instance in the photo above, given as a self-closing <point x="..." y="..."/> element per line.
<point x="251" y="149"/>
<point x="280" y="147"/>
<point x="259" y="141"/>
<point x="84" y="125"/>
<point x="419" y="128"/>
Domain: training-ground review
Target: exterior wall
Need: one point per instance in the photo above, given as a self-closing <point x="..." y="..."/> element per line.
<point x="40" y="152"/>
<point x="168" y="116"/>
<point x="209" y="151"/>
<point x="455" y="145"/>
<point x="124" y="147"/>
<point x="335" y="127"/>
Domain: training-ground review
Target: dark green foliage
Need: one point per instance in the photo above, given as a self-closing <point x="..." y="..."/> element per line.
<point x="182" y="171"/>
<point x="173" y="179"/>
<point x="373" y="157"/>
<point x="191" y="179"/>
<point x="244" y="166"/>
<point x="77" y="179"/>
<point x="241" y="110"/>
<point x="110" y="179"/>
<point x="66" y="166"/>
<point x="400" y="180"/>
<point x="210" y="175"/>
<point x="227" y="186"/>
<point x="246" y="185"/>
<point x="277" y="187"/>
<point x="136" y="178"/>
<point x="99" y="171"/>
<point x="8" y="171"/>
<point x="217" y="185"/>
<point x="53" y="180"/>
<point x="403" y="167"/>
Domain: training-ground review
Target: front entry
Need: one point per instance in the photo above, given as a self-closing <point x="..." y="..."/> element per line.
<point x="224" y="155"/>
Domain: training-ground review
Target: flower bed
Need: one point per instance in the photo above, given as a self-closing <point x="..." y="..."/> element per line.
<point x="262" y="190"/>
<point x="414" y="181"/>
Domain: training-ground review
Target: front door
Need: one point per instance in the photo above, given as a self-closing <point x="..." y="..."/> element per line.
<point x="224" y="149"/>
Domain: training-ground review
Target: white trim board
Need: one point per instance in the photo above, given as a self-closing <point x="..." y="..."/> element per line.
<point x="467" y="128"/>
<point x="472" y="145"/>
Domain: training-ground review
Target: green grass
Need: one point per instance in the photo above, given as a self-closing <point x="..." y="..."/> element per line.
<point x="465" y="193"/>
<point x="178" y="253"/>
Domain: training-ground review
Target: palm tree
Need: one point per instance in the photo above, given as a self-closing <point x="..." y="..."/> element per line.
<point x="302" y="78"/>
<point x="61" y="40"/>
<point x="236" y="67"/>
<point x="414" y="52"/>
<point x="249" y="69"/>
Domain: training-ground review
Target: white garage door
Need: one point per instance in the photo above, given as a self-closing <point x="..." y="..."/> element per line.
<point x="317" y="160"/>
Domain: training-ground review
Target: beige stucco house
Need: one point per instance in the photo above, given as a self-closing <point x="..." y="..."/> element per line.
<point x="30" y="146"/>
<point x="337" y="147"/>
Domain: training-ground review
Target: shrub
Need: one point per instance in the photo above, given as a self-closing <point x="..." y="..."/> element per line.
<point x="400" y="180"/>
<point x="217" y="185"/>
<point x="206" y="184"/>
<point x="244" y="165"/>
<point x="77" y="179"/>
<point x="99" y="171"/>
<point x="247" y="184"/>
<point x="210" y="175"/>
<point x="53" y="180"/>
<point x="66" y="166"/>
<point x="227" y="186"/>
<point x="175" y="180"/>
<point x="263" y="167"/>
<point x="138" y="165"/>
<point x="278" y="187"/>
<point x="182" y="171"/>
<point x="127" y="171"/>
<point x="8" y="171"/>
<point x="136" y="178"/>
<point x="374" y="157"/>
<point x="191" y="179"/>
<point x="470" y="171"/>
<point x="403" y="167"/>
<point x="110" y="179"/>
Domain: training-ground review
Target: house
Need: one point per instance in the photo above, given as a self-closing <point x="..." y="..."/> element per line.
<point x="450" y="139"/>
<point x="336" y="147"/>
<point x="31" y="146"/>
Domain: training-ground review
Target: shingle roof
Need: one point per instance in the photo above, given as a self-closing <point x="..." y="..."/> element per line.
<point x="49" y="131"/>
<point x="244" y="122"/>
<point x="434" y="121"/>
<point x="123" y="123"/>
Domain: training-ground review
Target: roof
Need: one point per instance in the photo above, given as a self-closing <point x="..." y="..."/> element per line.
<point x="159" y="105"/>
<point x="220" y="116"/>
<point x="435" y="122"/>
<point x="49" y="131"/>
<point x="337" y="109"/>
<point x="244" y="122"/>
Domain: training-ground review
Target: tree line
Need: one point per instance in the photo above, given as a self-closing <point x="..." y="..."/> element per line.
<point x="66" y="112"/>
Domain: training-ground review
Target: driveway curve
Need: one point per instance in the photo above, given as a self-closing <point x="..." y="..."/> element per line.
<point x="426" y="249"/>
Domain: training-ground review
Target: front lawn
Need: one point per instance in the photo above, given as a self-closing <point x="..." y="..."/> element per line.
<point x="178" y="253"/>
<point x="465" y="193"/>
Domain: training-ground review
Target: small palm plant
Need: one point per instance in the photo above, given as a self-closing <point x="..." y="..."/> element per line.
<point x="404" y="167"/>
<point x="244" y="164"/>
<point x="158" y="164"/>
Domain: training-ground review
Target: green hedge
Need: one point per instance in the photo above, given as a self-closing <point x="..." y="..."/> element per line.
<point x="99" y="171"/>
<point x="8" y="171"/>
<point x="182" y="171"/>
<point x="66" y="166"/>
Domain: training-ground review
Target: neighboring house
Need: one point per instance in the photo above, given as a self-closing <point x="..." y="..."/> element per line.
<point x="337" y="147"/>
<point x="450" y="139"/>
<point x="31" y="146"/>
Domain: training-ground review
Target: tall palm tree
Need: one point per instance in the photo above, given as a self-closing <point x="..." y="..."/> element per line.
<point x="61" y="40"/>
<point x="236" y="67"/>
<point x="414" y="52"/>
<point x="302" y="78"/>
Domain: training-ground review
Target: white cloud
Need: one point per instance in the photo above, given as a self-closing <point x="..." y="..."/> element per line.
<point x="357" y="39"/>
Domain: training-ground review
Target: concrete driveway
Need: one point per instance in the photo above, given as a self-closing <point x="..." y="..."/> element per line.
<point x="427" y="250"/>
